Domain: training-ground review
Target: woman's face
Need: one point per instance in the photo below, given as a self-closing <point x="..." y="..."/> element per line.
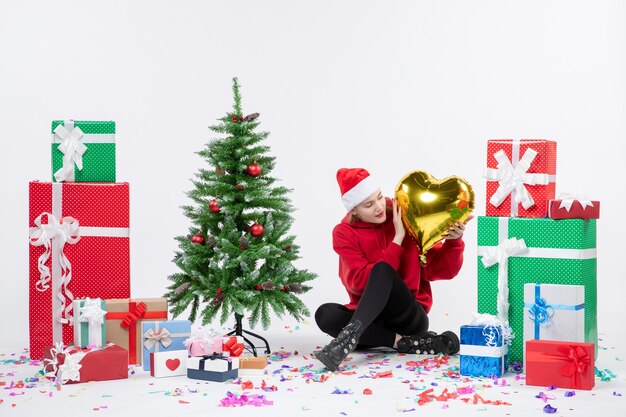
<point x="373" y="209"/>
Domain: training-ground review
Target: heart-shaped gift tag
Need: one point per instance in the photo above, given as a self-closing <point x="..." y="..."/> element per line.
<point x="430" y="205"/>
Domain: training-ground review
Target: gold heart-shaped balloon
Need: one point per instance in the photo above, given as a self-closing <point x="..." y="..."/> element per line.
<point x="430" y="205"/>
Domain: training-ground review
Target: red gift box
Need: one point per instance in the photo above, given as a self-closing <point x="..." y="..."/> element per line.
<point x="79" y="248"/>
<point x="561" y="364"/>
<point x="520" y="176"/>
<point x="233" y="345"/>
<point x="573" y="208"/>
<point x="86" y="365"/>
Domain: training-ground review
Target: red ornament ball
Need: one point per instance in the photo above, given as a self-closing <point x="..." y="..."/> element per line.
<point x="198" y="239"/>
<point x="235" y="119"/>
<point x="285" y="288"/>
<point x="214" y="206"/>
<point x="239" y="187"/>
<point x="258" y="287"/>
<point x="254" y="170"/>
<point x="240" y="118"/>
<point x="256" y="230"/>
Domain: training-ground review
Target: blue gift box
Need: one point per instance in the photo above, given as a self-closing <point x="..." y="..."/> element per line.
<point x="482" y="351"/>
<point x="163" y="336"/>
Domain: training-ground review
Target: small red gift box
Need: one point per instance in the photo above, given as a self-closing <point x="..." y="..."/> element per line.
<point x="73" y="364"/>
<point x="521" y="177"/>
<point x="79" y="248"/>
<point x="561" y="364"/>
<point x="232" y="345"/>
<point x="573" y="208"/>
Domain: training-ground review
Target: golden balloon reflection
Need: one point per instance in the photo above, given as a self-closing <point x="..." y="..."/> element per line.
<point x="430" y="206"/>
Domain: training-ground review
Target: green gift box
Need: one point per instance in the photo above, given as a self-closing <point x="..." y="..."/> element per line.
<point x="518" y="251"/>
<point x="83" y="151"/>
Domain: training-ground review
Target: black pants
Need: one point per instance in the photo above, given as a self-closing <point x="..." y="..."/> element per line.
<point x="386" y="308"/>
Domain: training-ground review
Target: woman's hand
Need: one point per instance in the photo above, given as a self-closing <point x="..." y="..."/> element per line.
<point x="456" y="230"/>
<point x="397" y="223"/>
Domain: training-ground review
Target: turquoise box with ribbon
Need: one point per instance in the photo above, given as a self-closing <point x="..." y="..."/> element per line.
<point x="513" y="252"/>
<point x="554" y="312"/>
<point x="483" y="351"/>
<point x="83" y="151"/>
<point x="89" y="323"/>
<point x="163" y="336"/>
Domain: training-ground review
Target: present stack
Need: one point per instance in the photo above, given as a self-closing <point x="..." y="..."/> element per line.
<point x="82" y="320"/>
<point x="79" y="238"/>
<point x="535" y="273"/>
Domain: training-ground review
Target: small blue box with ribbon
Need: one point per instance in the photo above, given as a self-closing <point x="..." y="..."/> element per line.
<point x="554" y="312"/>
<point x="215" y="367"/>
<point x="483" y="351"/>
<point x="163" y="336"/>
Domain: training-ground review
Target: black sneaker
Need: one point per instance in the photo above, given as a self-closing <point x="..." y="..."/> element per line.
<point x="340" y="347"/>
<point x="429" y="343"/>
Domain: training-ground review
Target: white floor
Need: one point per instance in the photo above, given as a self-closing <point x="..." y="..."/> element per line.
<point x="301" y="388"/>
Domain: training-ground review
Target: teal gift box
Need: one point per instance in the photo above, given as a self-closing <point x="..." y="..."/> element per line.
<point x="83" y="151"/>
<point x="163" y="336"/>
<point x="89" y="322"/>
<point x="483" y="351"/>
<point x="549" y="252"/>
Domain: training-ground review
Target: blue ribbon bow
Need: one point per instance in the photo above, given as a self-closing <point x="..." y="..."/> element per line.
<point x="541" y="312"/>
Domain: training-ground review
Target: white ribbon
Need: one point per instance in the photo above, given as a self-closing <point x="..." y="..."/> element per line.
<point x="493" y="327"/>
<point x="92" y="313"/>
<point x="72" y="147"/>
<point x="512" y="177"/>
<point x="568" y="199"/>
<point x="53" y="236"/>
<point x="70" y="369"/>
<point x="500" y="255"/>
<point x="484" y="351"/>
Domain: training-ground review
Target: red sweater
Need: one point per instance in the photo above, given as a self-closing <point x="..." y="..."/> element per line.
<point x="361" y="245"/>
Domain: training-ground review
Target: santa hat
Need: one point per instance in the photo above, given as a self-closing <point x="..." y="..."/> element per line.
<point x="356" y="184"/>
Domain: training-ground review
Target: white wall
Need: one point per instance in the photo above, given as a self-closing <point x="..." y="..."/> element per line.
<point x="393" y="86"/>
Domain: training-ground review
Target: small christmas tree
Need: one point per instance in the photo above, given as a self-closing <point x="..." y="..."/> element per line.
<point x="238" y="254"/>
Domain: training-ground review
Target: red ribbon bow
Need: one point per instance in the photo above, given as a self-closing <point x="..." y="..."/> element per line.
<point x="133" y="316"/>
<point x="232" y="346"/>
<point x="577" y="362"/>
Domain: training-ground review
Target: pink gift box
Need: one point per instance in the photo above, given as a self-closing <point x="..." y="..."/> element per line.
<point x="207" y="346"/>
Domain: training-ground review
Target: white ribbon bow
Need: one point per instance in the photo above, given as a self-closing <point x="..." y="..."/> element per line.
<point x="92" y="313"/>
<point x="512" y="180"/>
<point x="70" y="369"/>
<point x="568" y="199"/>
<point x="493" y="327"/>
<point x="72" y="147"/>
<point x="163" y="336"/>
<point x="58" y="233"/>
<point x="500" y="255"/>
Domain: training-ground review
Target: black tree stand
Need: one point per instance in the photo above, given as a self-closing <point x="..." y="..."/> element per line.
<point x="239" y="331"/>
